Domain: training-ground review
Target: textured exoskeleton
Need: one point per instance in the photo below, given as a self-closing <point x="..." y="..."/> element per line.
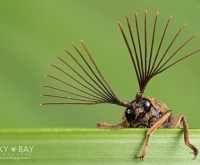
<point x="151" y="113"/>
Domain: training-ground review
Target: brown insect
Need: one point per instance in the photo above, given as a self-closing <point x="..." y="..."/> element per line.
<point x="143" y="112"/>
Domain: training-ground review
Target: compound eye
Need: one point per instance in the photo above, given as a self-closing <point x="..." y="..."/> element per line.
<point x="130" y="114"/>
<point x="146" y="104"/>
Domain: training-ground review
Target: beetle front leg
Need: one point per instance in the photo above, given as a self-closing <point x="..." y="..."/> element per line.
<point x="175" y="123"/>
<point x="109" y="126"/>
<point x="150" y="131"/>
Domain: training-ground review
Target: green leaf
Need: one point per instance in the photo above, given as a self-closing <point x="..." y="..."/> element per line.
<point x="96" y="146"/>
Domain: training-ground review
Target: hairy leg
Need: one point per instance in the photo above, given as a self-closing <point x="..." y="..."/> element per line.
<point x="175" y="123"/>
<point x="150" y="131"/>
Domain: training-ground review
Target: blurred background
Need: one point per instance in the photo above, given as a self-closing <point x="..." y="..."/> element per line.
<point x="34" y="32"/>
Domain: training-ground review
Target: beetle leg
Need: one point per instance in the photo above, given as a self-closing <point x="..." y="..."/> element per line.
<point x="151" y="130"/>
<point x="175" y="123"/>
<point x="109" y="126"/>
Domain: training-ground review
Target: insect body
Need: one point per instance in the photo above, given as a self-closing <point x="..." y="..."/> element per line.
<point x="143" y="112"/>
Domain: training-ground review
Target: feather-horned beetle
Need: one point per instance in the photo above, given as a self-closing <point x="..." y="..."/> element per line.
<point x="142" y="112"/>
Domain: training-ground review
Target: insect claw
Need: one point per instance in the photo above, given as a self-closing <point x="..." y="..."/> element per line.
<point x="194" y="157"/>
<point x="140" y="157"/>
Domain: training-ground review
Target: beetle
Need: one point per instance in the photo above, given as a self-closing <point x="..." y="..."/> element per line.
<point x="142" y="112"/>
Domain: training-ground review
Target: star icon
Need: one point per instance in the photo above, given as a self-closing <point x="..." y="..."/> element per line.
<point x="13" y="149"/>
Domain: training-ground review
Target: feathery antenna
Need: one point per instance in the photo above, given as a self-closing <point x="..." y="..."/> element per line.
<point x="94" y="87"/>
<point x="147" y="66"/>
